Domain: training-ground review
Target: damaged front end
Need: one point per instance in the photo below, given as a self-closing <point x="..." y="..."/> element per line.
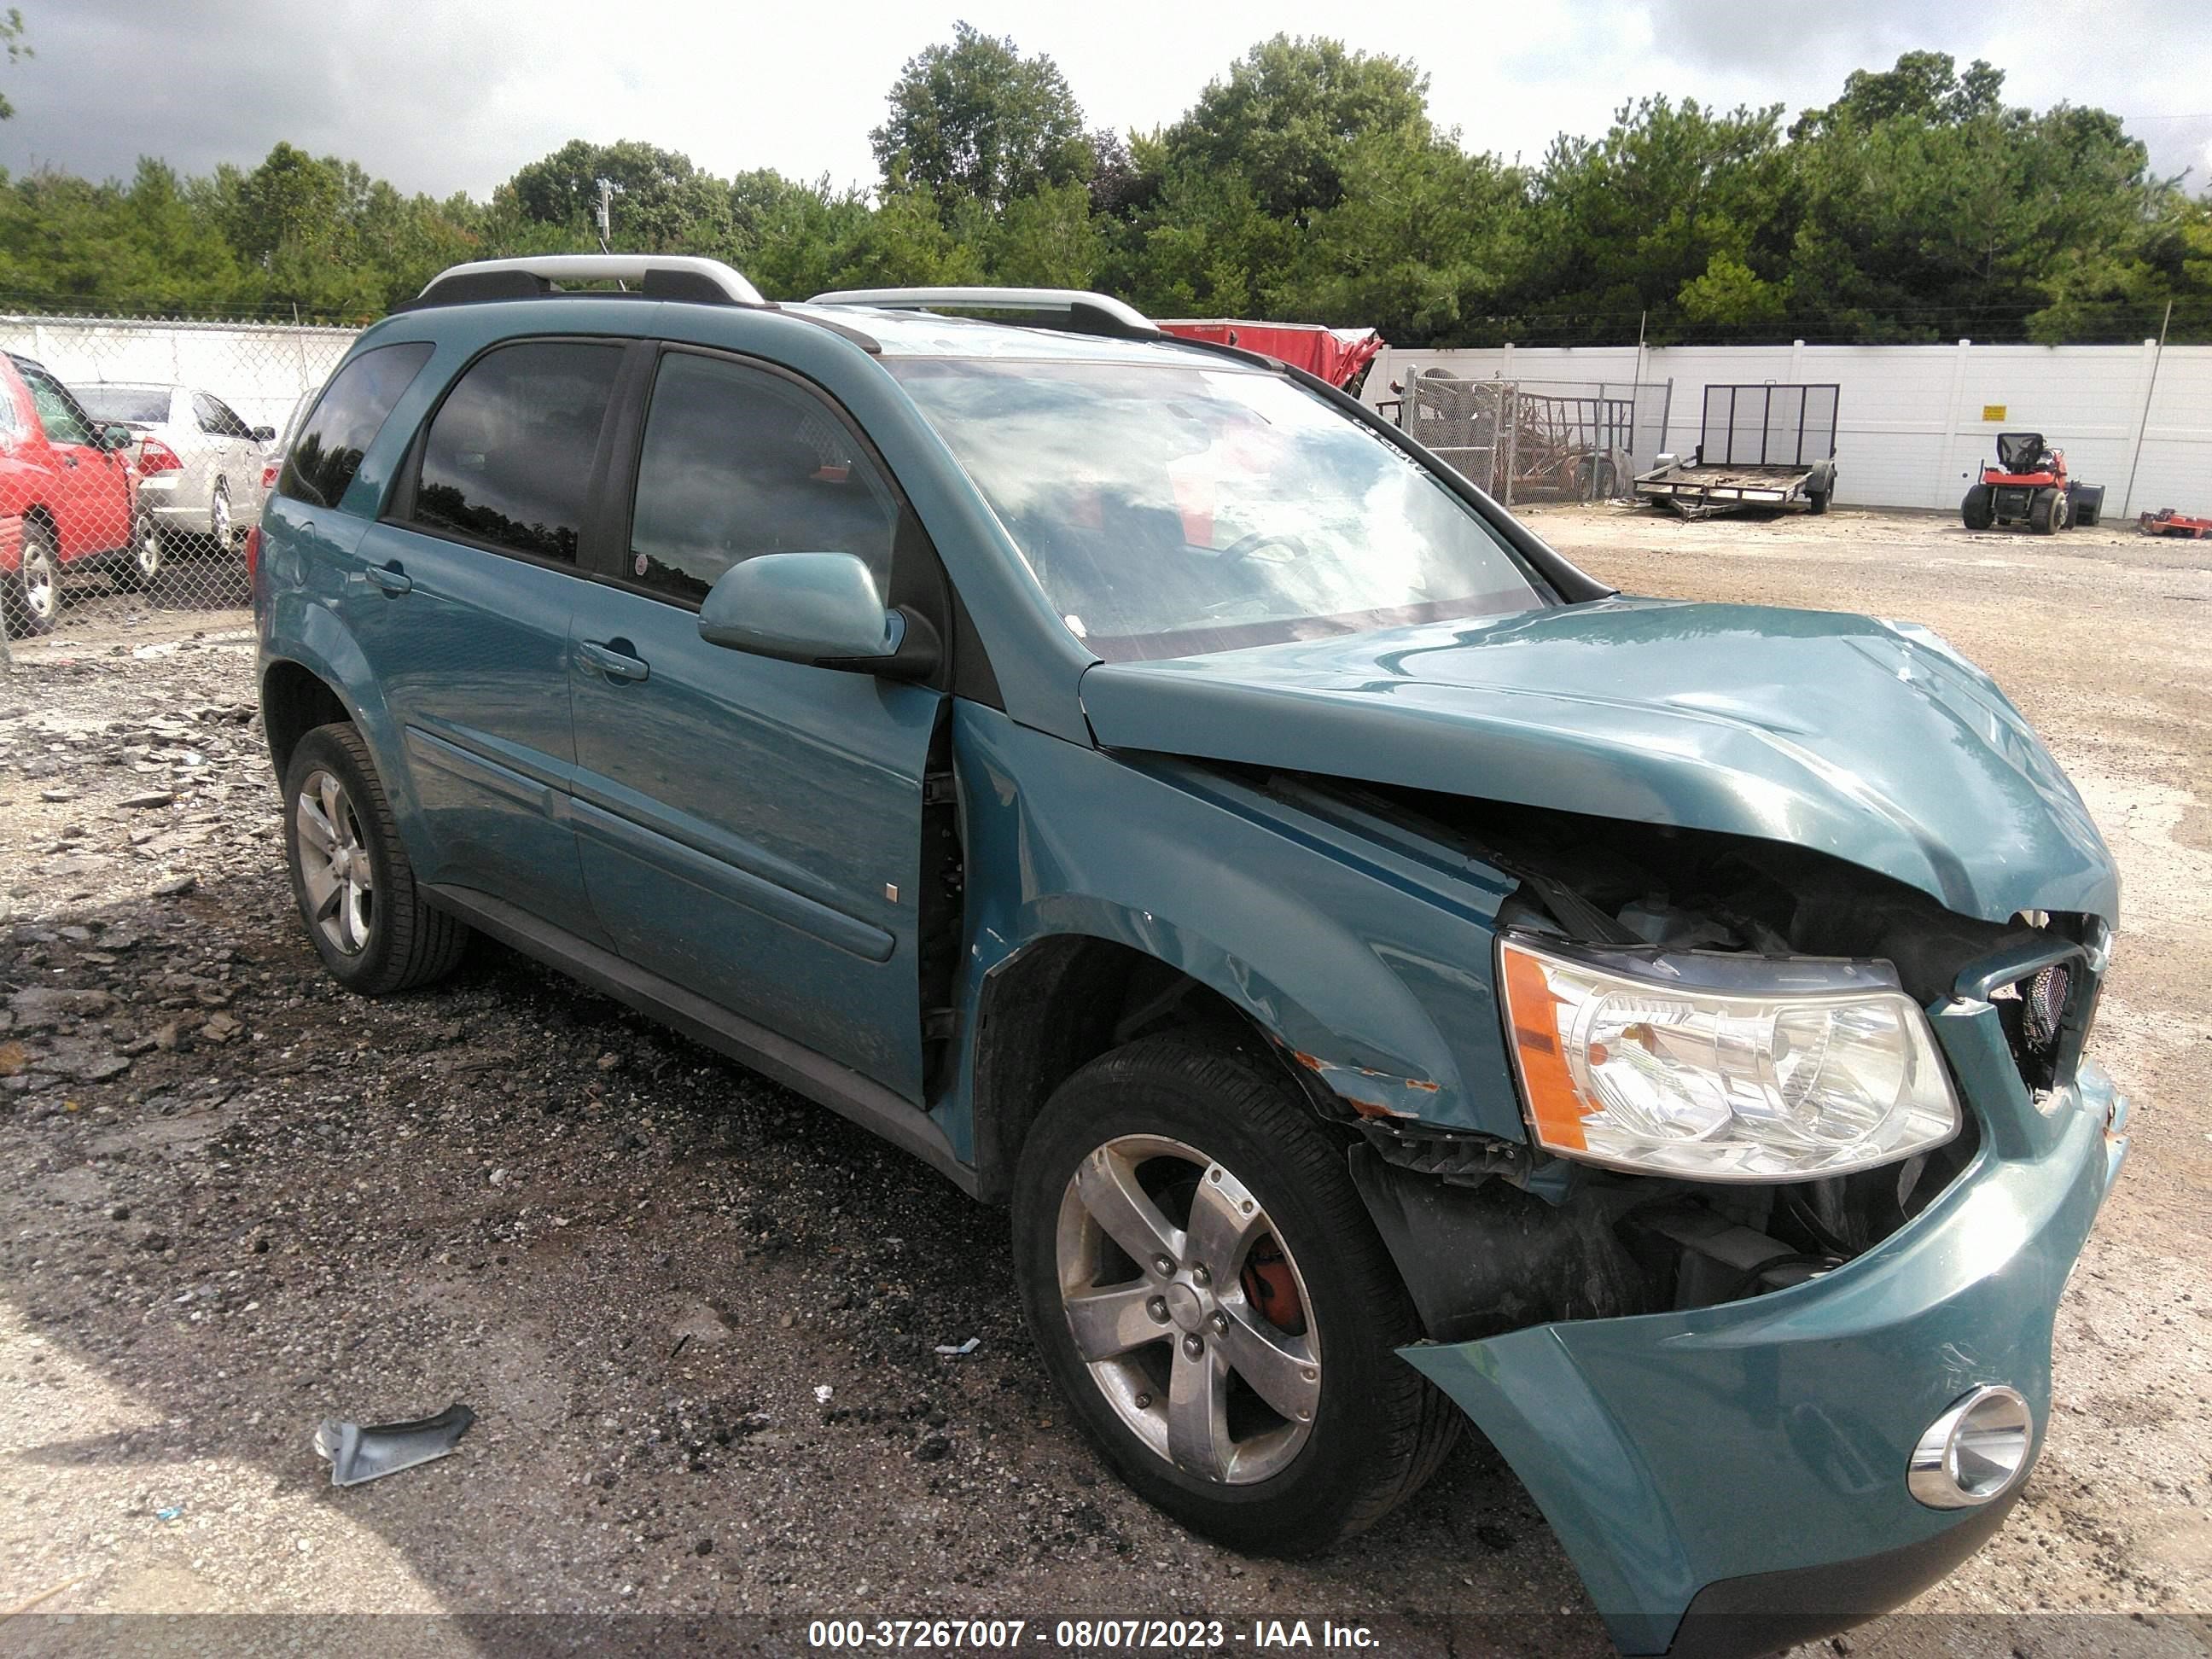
<point x="1809" y="1159"/>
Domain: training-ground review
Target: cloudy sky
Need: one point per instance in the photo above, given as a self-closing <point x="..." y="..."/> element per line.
<point x="442" y="95"/>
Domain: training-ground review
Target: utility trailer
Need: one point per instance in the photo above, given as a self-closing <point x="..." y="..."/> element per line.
<point x="1758" y="446"/>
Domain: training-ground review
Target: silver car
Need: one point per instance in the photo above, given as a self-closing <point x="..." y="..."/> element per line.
<point x="200" y="466"/>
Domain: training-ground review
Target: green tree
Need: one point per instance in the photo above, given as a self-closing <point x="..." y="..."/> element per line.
<point x="1288" y="115"/>
<point x="975" y="119"/>
<point x="659" y="202"/>
<point x="12" y="34"/>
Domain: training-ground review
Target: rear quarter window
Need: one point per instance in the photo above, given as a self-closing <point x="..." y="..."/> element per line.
<point x="346" y="421"/>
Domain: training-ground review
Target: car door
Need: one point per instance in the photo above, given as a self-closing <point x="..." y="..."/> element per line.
<point x="92" y="488"/>
<point x="461" y="603"/>
<point x="238" y="455"/>
<point x="752" y="828"/>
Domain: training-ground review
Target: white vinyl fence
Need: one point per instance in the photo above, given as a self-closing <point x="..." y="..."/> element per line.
<point x="258" y="369"/>
<point x="1917" y="423"/>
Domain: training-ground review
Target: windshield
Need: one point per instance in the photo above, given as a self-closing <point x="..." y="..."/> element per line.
<point x="1170" y="511"/>
<point x="134" y="404"/>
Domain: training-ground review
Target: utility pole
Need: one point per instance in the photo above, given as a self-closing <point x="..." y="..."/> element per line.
<point x="2128" y="500"/>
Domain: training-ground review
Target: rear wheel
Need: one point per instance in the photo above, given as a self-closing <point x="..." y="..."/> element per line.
<point x="1816" y="501"/>
<point x="350" y="875"/>
<point x="219" y="519"/>
<point x="1210" y="1296"/>
<point x="138" y="564"/>
<point x="1976" y="510"/>
<point x="32" y="600"/>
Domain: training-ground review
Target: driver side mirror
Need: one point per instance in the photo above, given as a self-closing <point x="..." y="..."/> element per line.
<point x="265" y="434"/>
<point x="113" y="439"/>
<point x="820" y="609"/>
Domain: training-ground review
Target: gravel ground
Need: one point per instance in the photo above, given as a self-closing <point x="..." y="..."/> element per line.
<point x="701" y="1321"/>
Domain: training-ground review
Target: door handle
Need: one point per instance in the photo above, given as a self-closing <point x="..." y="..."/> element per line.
<point x="392" y="579"/>
<point x="69" y="460"/>
<point x="614" y="660"/>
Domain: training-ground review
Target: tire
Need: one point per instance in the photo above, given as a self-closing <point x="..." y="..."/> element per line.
<point x="1188" y="1125"/>
<point x="32" y="599"/>
<point x="1977" y="511"/>
<point x="221" y="527"/>
<point x="375" y="936"/>
<point x="138" y="565"/>
<point x="1816" y="501"/>
<point x="2041" y="512"/>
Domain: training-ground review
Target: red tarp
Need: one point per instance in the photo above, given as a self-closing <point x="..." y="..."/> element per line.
<point x="1334" y="354"/>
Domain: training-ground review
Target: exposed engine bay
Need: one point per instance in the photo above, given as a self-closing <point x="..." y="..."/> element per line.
<point x="1599" y="1243"/>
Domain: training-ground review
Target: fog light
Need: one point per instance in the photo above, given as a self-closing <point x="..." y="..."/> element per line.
<point x="1976" y="1451"/>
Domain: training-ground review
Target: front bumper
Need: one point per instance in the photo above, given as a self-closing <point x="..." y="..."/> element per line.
<point x="1750" y="1458"/>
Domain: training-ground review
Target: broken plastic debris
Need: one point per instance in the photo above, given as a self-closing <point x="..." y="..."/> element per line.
<point x="969" y="1346"/>
<point x="170" y="1513"/>
<point x="358" y="1452"/>
<point x="822" y="1393"/>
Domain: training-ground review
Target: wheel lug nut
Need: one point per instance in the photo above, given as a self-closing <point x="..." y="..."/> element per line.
<point x="1158" y="1307"/>
<point x="1192" y="1348"/>
<point x="1309" y="1373"/>
<point x="1163" y="1267"/>
<point x="1221" y="1324"/>
<point x="1143" y="1402"/>
<point x="1199" y="1276"/>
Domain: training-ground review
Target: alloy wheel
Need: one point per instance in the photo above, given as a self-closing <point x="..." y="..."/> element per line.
<point x="1188" y="1309"/>
<point x="41" y="580"/>
<point x="146" y="550"/>
<point x="219" y="519"/>
<point x="334" y="863"/>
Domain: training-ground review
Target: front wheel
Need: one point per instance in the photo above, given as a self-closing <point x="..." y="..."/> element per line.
<point x="1211" y="1296"/>
<point x="1977" y="511"/>
<point x="350" y="875"/>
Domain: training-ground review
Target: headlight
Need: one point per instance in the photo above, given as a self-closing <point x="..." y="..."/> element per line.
<point x="1818" y="1071"/>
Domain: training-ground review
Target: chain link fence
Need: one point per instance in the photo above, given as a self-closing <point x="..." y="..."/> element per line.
<point x="135" y="456"/>
<point x="1536" y="441"/>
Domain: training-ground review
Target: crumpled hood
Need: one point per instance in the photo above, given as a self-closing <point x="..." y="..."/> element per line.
<point x="1872" y="741"/>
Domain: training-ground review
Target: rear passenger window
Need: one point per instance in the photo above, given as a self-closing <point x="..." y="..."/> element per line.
<point x="346" y="421"/>
<point x="737" y="462"/>
<point x="507" y="460"/>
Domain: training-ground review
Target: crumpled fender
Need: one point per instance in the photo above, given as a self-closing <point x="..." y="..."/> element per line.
<point x="1380" y="989"/>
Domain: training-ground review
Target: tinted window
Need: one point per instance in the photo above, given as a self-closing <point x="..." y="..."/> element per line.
<point x="64" y="422"/>
<point x="346" y="419"/>
<point x="218" y="418"/>
<point x="508" y="456"/>
<point x="736" y="463"/>
<point x="141" y="405"/>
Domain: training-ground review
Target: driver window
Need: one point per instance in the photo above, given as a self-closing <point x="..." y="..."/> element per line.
<point x="737" y="462"/>
<point x="64" y="422"/>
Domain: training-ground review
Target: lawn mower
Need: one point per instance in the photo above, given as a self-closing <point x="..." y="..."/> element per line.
<point x="2029" y="485"/>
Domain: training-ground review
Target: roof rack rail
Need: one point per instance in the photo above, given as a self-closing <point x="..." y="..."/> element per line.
<point x="658" y="277"/>
<point x="1089" y="312"/>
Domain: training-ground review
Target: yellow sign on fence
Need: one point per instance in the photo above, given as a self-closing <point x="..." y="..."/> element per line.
<point x="1993" y="412"/>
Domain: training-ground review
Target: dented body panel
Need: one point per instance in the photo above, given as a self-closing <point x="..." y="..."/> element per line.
<point x="1875" y="743"/>
<point x="1672" y="1451"/>
<point x="1367" y="965"/>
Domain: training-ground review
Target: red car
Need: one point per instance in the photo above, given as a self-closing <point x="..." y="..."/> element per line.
<point x="68" y="496"/>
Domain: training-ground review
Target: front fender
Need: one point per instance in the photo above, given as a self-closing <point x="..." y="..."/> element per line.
<point x="1375" y="977"/>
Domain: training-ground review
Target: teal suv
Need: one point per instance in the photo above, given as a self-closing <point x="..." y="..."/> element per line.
<point x="1387" y="974"/>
